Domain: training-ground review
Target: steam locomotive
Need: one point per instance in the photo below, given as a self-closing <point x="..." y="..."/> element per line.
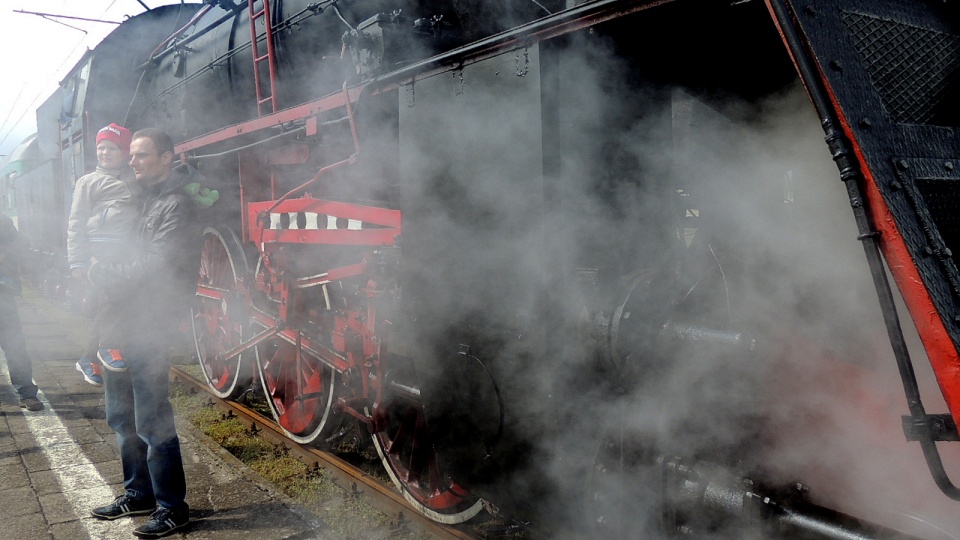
<point x="587" y="263"/>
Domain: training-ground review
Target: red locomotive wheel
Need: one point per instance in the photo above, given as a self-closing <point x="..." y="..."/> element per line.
<point x="217" y="322"/>
<point x="407" y="453"/>
<point x="298" y="391"/>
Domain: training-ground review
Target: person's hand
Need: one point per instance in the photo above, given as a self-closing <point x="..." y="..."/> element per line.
<point x="79" y="274"/>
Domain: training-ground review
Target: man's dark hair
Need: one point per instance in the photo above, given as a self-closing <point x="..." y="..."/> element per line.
<point x="161" y="141"/>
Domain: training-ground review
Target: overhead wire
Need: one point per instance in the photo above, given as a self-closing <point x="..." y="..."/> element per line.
<point x="31" y="107"/>
<point x="44" y="89"/>
<point x="13" y="104"/>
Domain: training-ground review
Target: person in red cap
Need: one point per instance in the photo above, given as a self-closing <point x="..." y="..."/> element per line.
<point x="103" y="214"/>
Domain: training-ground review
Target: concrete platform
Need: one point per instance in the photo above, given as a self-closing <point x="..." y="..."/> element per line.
<point x="57" y="464"/>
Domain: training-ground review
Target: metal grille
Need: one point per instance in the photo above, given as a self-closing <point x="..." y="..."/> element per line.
<point x="942" y="199"/>
<point x="914" y="69"/>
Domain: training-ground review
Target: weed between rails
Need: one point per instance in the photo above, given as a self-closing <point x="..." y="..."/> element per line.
<point x="343" y="511"/>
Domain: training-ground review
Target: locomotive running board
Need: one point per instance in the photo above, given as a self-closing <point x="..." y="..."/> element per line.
<point x="882" y="75"/>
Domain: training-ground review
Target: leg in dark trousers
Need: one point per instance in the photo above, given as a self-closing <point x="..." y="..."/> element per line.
<point x="15" y="347"/>
<point x="88" y="365"/>
<point x="139" y="411"/>
<point x="93" y="343"/>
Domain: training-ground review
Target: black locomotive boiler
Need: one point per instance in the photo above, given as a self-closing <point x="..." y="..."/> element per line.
<point x="587" y="263"/>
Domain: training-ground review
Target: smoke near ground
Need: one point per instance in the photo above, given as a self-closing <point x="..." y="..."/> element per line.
<point x="727" y="215"/>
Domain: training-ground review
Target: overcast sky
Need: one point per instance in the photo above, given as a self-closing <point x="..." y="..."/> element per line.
<point x="38" y="52"/>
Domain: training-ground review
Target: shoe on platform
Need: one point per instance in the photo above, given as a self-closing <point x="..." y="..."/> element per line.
<point x="163" y="522"/>
<point x="112" y="359"/>
<point x="124" y="505"/>
<point x="31" y="404"/>
<point x="89" y="371"/>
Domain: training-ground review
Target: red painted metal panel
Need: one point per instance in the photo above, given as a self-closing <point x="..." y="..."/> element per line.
<point x="367" y="214"/>
<point x="275" y="120"/>
<point x="339" y="237"/>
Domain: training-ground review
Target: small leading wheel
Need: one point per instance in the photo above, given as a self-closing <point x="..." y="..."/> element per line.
<point x="218" y="318"/>
<point x="299" y="388"/>
<point x="408" y="454"/>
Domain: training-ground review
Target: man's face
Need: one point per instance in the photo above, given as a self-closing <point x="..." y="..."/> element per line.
<point x="149" y="166"/>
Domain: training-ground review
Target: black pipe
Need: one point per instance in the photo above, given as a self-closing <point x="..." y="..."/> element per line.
<point x="814" y="522"/>
<point x="702" y="497"/>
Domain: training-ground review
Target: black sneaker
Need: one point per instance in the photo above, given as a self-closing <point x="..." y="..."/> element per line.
<point x="124" y="505"/>
<point x="163" y="522"/>
<point x="31" y="404"/>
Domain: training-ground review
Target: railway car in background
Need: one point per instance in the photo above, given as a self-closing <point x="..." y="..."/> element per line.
<point x="585" y="263"/>
<point x="28" y="197"/>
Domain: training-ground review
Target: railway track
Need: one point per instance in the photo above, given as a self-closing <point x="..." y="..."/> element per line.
<point x="348" y="477"/>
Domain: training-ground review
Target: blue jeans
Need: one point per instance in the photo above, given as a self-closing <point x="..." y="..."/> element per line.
<point x="15" y="347"/>
<point x="139" y="411"/>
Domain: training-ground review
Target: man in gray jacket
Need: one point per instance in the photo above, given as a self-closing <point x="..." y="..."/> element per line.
<point x="157" y="285"/>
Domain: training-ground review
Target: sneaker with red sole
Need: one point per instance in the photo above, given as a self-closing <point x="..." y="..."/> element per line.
<point x="90" y="371"/>
<point x="112" y="359"/>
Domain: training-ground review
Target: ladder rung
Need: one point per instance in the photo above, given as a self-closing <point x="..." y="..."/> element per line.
<point x="262" y="58"/>
<point x="266" y="99"/>
<point x="258" y="14"/>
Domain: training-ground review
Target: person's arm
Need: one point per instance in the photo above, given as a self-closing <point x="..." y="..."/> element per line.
<point x="78" y="245"/>
<point x="172" y="233"/>
<point x="10" y="239"/>
<point x="10" y="244"/>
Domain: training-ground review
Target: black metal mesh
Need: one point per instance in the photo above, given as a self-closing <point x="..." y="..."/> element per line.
<point x="914" y="69"/>
<point x="942" y="199"/>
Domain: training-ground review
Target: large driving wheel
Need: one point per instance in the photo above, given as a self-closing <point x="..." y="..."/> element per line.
<point x="408" y="454"/>
<point x="299" y="388"/>
<point x="218" y="316"/>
